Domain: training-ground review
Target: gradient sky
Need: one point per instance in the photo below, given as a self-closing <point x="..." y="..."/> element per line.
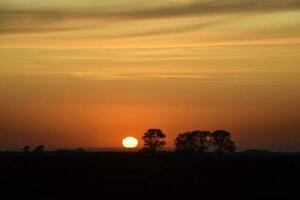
<point x="86" y="73"/>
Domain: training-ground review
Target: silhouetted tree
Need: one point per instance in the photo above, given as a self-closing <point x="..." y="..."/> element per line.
<point x="221" y="141"/>
<point x="26" y="149"/>
<point x="230" y="146"/>
<point x="153" y="140"/>
<point x="202" y="140"/>
<point x="185" y="142"/>
<point x="39" y="148"/>
<point x="192" y="141"/>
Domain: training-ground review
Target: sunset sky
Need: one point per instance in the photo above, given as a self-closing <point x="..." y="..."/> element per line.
<point x="86" y="73"/>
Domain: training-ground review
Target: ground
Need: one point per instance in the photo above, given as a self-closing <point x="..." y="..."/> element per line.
<point x="106" y="175"/>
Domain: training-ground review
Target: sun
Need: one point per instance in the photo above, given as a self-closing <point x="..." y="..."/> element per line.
<point x="130" y="142"/>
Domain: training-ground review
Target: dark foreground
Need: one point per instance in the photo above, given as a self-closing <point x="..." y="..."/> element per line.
<point x="138" y="176"/>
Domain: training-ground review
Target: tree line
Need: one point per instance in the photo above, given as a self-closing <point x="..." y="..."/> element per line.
<point x="218" y="141"/>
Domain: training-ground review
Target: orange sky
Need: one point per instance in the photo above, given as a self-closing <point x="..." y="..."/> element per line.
<point x="88" y="73"/>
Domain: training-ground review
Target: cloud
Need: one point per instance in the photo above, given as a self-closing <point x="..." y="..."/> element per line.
<point x="42" y="21"/>
<point x="13" y="20"/>
<point x="178" y="29"/>
<point x="200" y="7"/>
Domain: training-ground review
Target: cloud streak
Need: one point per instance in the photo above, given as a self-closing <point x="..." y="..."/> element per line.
<point x="200" y="7"/>
<point x="14" y="20"/>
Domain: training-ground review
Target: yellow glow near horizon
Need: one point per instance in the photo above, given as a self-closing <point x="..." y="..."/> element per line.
<point x="130" y="142"/>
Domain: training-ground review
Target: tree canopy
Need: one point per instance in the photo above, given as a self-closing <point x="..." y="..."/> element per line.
<point x="222" y="142"/>
<point x="154" y="140"/>
<point x="202" y="141"/>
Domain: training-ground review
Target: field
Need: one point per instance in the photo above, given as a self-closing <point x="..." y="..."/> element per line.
<point x="113" y="175"/>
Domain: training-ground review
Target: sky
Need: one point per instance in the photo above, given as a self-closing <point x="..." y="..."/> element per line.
<point x="87" y="73"/>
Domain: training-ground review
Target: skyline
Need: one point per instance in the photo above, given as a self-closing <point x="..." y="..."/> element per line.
<point x="90" y="73"/>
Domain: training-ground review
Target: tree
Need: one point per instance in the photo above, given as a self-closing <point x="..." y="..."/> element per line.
<point x="153" y="140"/>
<point x="192" y="141"/>
<point x="202" y="140"/>
<point x="184" y="142"/>
<point x="230" y="146"/>
<point x="221" y="141"/>
<point x="26" y="149"/>
<point x="39" y="148"/>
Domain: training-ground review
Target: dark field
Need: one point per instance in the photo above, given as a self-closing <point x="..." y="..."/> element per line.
<point x="140" y="176"/>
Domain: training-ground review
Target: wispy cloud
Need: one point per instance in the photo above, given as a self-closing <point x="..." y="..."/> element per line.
<point x="200" y="7"/>
<point x="229" y="76"/>
<point x="14" y="20"/>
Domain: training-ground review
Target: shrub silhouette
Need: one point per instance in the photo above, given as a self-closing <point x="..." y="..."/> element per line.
<point x="221" y="142"/>
<point x="80" y="150"/>
<point x="26" y="149"/>
<point x="39" y="149"/>
<point x="153" y="140"/>
<point x="193" y="141"/>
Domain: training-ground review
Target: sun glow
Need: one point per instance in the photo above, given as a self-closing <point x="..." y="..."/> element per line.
<point x="130" y="142"/>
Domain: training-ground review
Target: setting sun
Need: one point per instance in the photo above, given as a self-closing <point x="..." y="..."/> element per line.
<point x="130" y="142"/>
